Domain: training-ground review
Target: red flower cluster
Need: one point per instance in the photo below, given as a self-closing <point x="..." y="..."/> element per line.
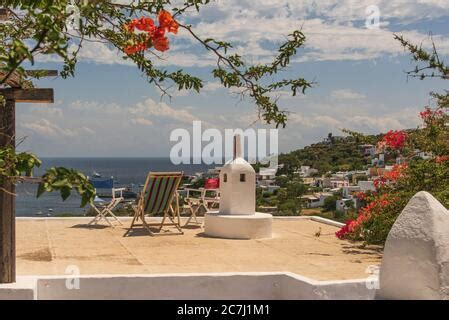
<point x="441" y="159"/>
<point x="154" y="33"/>
<point x="396" y="173"/>
<point x="391" y="176"/>
<point x="361" y="195"/>
<point x="379" y="203"/>
<point x="379" y="182"/>
<point x="167" y="22"/>
<point x="347" y="228"/>
<point x="395" y="139"/>
<point x="430" y="115"/>
<point x="142" y="24"/>
<point x="364" y="214"/>
<point x="212" y="183"/>
<point x="351" y="225"/>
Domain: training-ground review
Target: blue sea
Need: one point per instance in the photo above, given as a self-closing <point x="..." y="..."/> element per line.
<point x="126" y="172"/>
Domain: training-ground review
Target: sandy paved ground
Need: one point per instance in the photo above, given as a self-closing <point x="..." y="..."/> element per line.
<point x="48" y="246"/>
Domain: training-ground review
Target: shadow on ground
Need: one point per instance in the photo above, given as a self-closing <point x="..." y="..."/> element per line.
<point x="92" y="226"/>
<point x="361" y="249"/>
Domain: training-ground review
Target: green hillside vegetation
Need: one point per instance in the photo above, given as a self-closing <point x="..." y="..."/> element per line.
<point x="333" y="154"/>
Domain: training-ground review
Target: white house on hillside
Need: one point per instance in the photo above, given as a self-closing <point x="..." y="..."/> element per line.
<point x="349" y="190"/>
<point x="315" y="200"/>
<point x="266" y="176"/>
<point x="307" y="171"/>
<point x="366" y="186"/>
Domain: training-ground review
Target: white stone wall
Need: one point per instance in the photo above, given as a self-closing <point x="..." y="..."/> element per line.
<point x="234" y="286"/>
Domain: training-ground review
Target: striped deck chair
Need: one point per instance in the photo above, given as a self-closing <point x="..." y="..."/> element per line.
<point x="159" y="194"/>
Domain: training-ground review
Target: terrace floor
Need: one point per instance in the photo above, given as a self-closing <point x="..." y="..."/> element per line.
<point x="49" y="246"/>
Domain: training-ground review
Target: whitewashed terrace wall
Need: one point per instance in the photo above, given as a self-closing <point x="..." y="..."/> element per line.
<point x="242" y="286"/>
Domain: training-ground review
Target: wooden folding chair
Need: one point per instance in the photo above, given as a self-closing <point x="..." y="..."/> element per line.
<point x="159" y="195"/>
<point x="103" y="208"/>
<point x="193" y="201"/>
<point x="211" y="199"/>
<point x="196" y="199"/>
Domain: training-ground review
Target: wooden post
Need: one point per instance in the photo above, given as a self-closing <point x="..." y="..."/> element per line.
<point x="7" y="187"/>
<point x="7" y="199"/>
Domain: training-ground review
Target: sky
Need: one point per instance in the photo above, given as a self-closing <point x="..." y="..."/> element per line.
<point x="109" y="110"/>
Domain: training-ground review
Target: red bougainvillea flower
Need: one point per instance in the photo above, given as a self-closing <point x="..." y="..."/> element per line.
<point x="143" y="24"/>
<point x="379" y="182"/>
<point x="133" y="49"/>
<point x="396" y="173"/>
<point x="425" y="114"/>
<point x="394" y="139"/>
<point x="352" y="226"/>
<point x="361" y="195"/>
<point x="341" y="234"/>
<point x="167" y="22"/>
<point x="160" y="41"/>
<point x="155" y="33"/>
<point x="429" y="115"/>
<point x="161" y="44"/>
<point x="390" y="176"/>
<point x="441" y="159"/>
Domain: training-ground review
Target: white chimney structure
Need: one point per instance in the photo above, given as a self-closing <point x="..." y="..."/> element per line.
<point x="237" y="217"/>
<point x="237" y="184"/>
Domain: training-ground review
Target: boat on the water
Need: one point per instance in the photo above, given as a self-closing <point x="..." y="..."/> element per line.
<point x="95" y="174"/>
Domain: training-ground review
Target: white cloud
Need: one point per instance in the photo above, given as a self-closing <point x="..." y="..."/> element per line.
<point x="180" y="58"/>
<point x="47" y="111"/>
<point x="160" y="109"/>
<point x="347" y="94"/>
<point x="142" y="121"/>
<point x="212" y="86"/>
<point x="335" y="30"/>
<point x="51" y="130"/>
<point x="96" y="107"/>
<point x="333" y="117"/>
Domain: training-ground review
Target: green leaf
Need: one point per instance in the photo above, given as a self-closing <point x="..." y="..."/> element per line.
<point x="65" y="193"/>
<point x="40" y="190"/>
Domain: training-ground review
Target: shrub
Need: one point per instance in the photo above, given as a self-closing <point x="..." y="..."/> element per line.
<point x="330" y="203"/>
<point x="291" y="207"/>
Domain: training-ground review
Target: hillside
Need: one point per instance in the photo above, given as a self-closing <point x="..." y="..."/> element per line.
<point x="332" y="154"/>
